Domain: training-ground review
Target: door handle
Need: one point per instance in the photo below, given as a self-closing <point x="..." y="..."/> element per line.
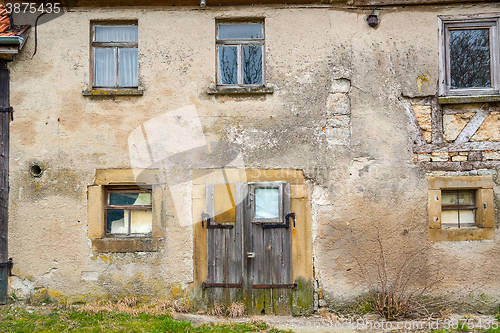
<point x="250" y="255"/>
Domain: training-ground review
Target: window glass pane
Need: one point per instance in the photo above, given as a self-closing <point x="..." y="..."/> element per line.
<point x="470" y="58"/>
<point x="127" y="67"/>
<point x="449" y="198"/>
<point x="104" y="67"/>
<point x="267" y="203"/>
<point x="141" y="222"/>
<point x="465" y="198"/>
<point x="128" y="199"/>
<point x="252" y="64"/>
<point x="228" y="65"/>
<point x="240" y="31"/>
<point x="455" y="198"/>
<point x="467" y="218"/>
<point x="117" y="221"/>
<point x="449" y="217"/>
<point x="116" y="34"/>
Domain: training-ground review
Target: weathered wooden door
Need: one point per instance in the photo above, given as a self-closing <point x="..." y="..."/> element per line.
<point x="224" y="283"/>
<point x="268" y="250"/>
<point x="250" y="260"/>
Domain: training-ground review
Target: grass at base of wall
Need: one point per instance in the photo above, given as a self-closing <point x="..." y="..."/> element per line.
<point x="70" y="320"/>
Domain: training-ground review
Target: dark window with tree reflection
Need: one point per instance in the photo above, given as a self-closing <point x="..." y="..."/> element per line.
<point x="240" y="53"/>
<point x="470" y="60"/>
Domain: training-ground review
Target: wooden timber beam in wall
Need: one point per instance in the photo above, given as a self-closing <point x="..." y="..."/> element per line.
<point x="160" y="3"/>
<point x="374" y="3"/>
<point x="4" y="178"/>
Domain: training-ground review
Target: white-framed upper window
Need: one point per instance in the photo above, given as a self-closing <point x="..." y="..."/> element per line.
<point x="240" y="53"/>
<point x="469" y="55"/>
<point x="115" y="55"/>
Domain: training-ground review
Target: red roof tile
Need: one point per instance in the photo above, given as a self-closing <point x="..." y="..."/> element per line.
<point x="6" y="27"/>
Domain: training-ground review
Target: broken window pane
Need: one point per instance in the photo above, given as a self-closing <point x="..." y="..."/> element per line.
<point x="128" y="199"/>
<point x="267" y="203"/>
<point x="470" y="64"/>
<point x="117" y="221"/>
<point x="240" y="31"/>
<point x="228" y="65"/>
<point x="252" y="64"/>
<point x="126" y="214"/>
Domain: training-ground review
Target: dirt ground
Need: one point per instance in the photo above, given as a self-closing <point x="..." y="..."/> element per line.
<point x="366" y="324"/>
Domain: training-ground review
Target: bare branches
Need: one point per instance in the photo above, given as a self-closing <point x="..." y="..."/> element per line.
<point x="394" y="293"/>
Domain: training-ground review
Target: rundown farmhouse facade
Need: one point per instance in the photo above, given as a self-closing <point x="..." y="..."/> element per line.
<point x="255" y="152"/>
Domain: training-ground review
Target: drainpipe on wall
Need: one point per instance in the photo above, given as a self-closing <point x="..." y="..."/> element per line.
<point x="5" y="117"/>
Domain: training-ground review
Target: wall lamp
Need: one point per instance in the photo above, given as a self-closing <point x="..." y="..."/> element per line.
<point x="372" y="18"/>
<point x="203" y="3"/>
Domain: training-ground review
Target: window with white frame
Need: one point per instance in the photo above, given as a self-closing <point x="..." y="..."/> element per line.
<point x="469" y="55"/>
<point x="240" y="53"/>
<point x="115" y="55"/>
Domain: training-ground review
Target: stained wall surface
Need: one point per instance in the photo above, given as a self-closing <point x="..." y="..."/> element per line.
<point x="335" y="113"/>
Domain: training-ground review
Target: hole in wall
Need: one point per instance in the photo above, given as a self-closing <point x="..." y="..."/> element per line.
<point x="36" y="170"/>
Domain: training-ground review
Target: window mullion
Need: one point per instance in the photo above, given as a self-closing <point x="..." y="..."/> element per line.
<point x="495" y="56"/>
<point x="240" y="64"/>
<point x="129" y="221"/>
<point x="116" y="67"/>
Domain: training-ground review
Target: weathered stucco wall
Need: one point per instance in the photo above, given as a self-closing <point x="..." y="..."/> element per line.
<point x="335" y="113"/>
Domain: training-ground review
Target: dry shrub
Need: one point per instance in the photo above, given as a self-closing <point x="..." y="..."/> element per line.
<point x="326" y="314"/>
<point x="235" y="310"/>
<point x="394" y="292"/>
<point x="217" y="310"/>
<point x="130" y="306"/>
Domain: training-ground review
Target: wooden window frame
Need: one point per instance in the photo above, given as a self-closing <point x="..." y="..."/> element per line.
<point x="112" y="45"/>
<point x="108" y="206"/>
<point x="240" y="43"/>
<point x="282" y="197"/>
<point x="466" y="22"/>
<point x="96" y="202"/>
<point x="485" y="210"/>
<point x="459" y="207"/>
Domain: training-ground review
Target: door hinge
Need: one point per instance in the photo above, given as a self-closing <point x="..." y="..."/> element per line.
<point x="281" y="225"/>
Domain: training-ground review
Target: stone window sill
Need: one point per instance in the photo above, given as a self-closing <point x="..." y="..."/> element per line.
<point x="113" y="92"/>
<point x="240" y="91"/>
<point x="125" y="244"/>
<point x="468" y="99"/>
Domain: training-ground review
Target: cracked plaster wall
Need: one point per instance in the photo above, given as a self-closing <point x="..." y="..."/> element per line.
<point x="334" y="113"/>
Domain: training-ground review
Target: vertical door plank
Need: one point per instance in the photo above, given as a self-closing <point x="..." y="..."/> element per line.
<point x="210" y="244"/>
<point x="268" y="267"/>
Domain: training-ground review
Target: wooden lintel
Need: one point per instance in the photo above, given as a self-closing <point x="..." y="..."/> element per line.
<point x="451" y="147"/>
<point x="159" y="3"/>
<point x="372" y="3"/>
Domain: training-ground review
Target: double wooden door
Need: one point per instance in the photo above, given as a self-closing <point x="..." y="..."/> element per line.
<point x="249" y="262"/>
